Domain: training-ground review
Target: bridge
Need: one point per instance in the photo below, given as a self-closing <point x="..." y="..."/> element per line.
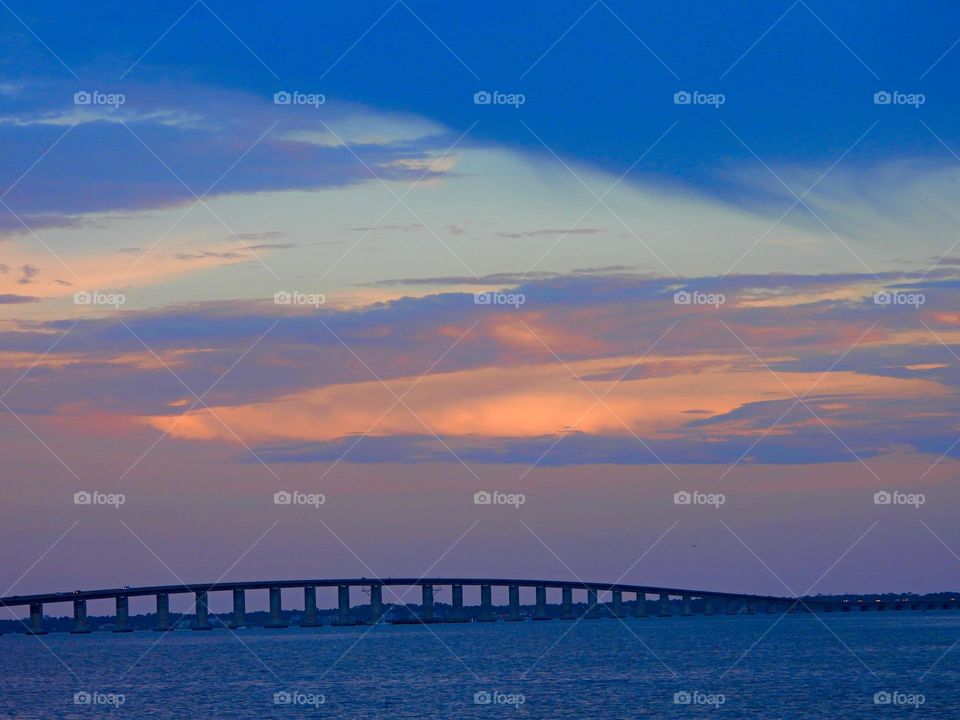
<point x="706" y="602"/>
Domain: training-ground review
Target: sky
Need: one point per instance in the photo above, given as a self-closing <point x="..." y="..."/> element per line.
<point x="393" y="255"/>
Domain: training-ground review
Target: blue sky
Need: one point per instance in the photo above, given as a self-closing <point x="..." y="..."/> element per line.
<point x="798" y="95"/>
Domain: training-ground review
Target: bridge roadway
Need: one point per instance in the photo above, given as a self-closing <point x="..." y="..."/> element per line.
<point x="713" y="601"/>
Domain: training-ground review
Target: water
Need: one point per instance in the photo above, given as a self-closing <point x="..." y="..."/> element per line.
<point x="794" y="668"/>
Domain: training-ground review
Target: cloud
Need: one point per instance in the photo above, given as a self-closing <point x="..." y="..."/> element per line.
<point x="698" y="382"/>
<point x="169" y="143"/>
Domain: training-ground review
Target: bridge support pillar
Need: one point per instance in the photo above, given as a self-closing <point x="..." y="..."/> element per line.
<point x="640" y="609"/>
<point x="686" y="608"/>
<point x="276" y="610"/>
<point x="593" y="605"/>
<point x="376" y="603"/>
<point x="456" y="602"/>
<point x="708" y="605"/>
<point x="36" y="619"/>
<point x="616" y="607"/>
<point x="310" y="607"/>
<point x="771" y="608"/>
<point x="486" y="605"/>
<point x="426" y="606"/>
<point x="733" y="606"/>
<point x="541" y="612"/>
<point x="665" y="609"/>
<point x="343" y="605"/>
<point x="202" y="621"/>
<point x="513" y="612"/>
<point x="751" y="607"/>
<point x="80" y="626"/>
<point x="163" y="613"/>
<point x="123" y="615"/>
<point x="239" y="618"/>
<point x="566" y="604"/>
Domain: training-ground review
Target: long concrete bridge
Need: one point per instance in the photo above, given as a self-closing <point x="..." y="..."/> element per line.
<point x="708" y="602"/>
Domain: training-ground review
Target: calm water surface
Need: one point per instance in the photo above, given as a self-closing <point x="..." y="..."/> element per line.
<point x="758" y="667"/>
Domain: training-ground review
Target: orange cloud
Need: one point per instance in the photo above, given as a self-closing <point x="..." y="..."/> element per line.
<point x="528" y="401"/>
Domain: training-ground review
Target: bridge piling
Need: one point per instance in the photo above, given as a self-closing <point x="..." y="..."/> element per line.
<point x="376" y="603"/>
<point x="426" y="607"/>
<point x="343" y="605"/>
<point x="708" y="605"/>
<point x="566" y="604"/>
<point x="163" y="613"/>
<point x="310" y="607"/>
<point x="36" y="620"/>
<point x="486" y="605"/>
<point x="616" y="604"/>
<point x="80" y="626"/>
<point x="513" y="611"/>
<point x="123" y="615"/>
<point x="733" y="606"/>
<point x="276" y="610"/>
<point x="686" y="608"/>
<point x="202" y="620"/>
<point x="640" y="609"/>
<point x="593" y="606"/>
<point x="456" y="601"/>
<point x="751" y="607"/>
<point x="239" y="618"/>
<point x="541" y="612"/>
<point x="665" y="609"/>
